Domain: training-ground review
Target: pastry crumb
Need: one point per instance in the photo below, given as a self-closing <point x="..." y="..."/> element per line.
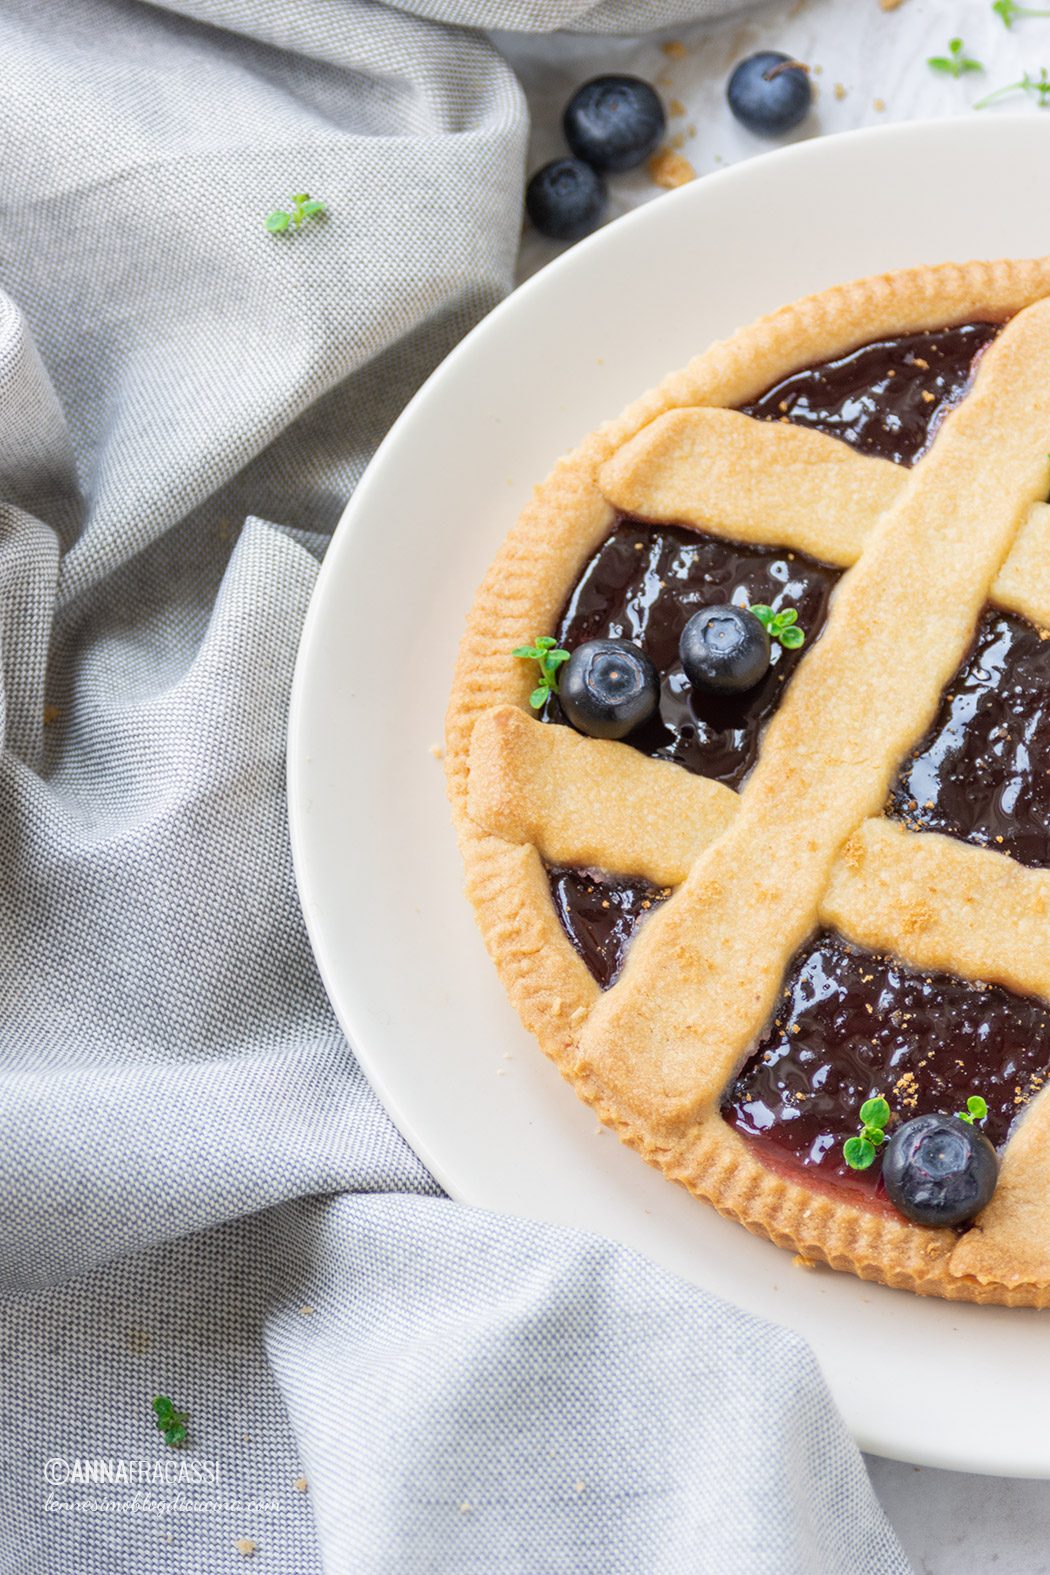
<point x="669" y="169"/>
<point x="580" y="1486"/>
<point x="839" y="90"/>
<point x="438" y="752"/>
<point x="676" y="107"/>
<point x="466" y="1507"/>
<point x="300" y="1484"/>
<point x="51" y="714"/>
<point x="879" y="105"/>
<point x="674" y="49"/>
<point x="246" y="1547"/>
<point x="916" y="919"/>
<point x="928" y="397"/>
<point x="890" y="5"/>
<point x="306" y="1310"/>
<point x="802" y="1262"/>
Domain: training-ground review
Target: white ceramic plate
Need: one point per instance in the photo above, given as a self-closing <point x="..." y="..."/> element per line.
<point x="380" y="877"/>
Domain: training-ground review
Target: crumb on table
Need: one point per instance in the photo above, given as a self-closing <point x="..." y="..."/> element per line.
<point x="669" y="168"/>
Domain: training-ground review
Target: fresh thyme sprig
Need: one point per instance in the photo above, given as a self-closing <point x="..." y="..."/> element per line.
<point x="172" y="1423"/>
<point x="303" y="207"/>
<point x="543" y="650"/>
<point x="859" y="1152"/>
<point x="954" y="63"/>
<point x="782" y="626"/>
<point x="976" y="1110"/>
<point x="1039" y="85"/>
<point x="1009" y="10"/>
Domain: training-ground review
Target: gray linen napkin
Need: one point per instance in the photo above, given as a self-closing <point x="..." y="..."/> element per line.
<point x="199" y="1195"/>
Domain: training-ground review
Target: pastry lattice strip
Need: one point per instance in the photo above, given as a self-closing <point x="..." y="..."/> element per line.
<point x="729" y="475"/>
<point x="931" y="900"/>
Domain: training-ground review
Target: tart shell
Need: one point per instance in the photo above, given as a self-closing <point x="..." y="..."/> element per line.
<point x="524" y="593"/>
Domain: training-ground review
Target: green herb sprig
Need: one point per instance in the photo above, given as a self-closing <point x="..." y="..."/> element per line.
<point x="543" y="650"/>
<point x="782" y="626"/>
<point x="1039" y="86"/>
<point x="859" y="1152"/>
<point x="1009" y="10"/>
<point x="303" y="207"/>
<point x="172" y="1423"/>
<point x="976" y="1110"/>
<point x="954" y="63"/>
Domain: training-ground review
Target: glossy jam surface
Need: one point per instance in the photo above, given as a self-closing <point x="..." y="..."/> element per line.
<point x="851" y="1024"/>
<point x="644" y="584"/>
<point x="982" y="772"/>
<point x="887" y="398"/>
<point x="599" y="913"/>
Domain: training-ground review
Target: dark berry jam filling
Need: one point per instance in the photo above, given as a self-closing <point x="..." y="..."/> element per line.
<point x="851" y="1024"/>
<point x="887" y="398"/>
<point x="644" y="584"/>
<point x="982" y="772"/>
<point x="599" y="913"/>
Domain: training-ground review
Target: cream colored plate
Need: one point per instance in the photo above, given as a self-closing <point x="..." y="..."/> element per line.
<point x="380" y="879"/>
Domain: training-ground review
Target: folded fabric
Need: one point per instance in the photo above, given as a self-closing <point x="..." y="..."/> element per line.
<point x="200" y="1197"/>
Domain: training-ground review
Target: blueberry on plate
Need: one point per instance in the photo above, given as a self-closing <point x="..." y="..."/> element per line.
<point x="939" y="1170"/>
<point x="608" y="688"/>
<point x="769" y="93"/>
<point x="724" y="649"/>
<point x="614" y="123"/>
<point x="566" y="199"/>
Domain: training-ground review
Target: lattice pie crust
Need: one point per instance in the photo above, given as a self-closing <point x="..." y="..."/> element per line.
<point x="925" y="549"/>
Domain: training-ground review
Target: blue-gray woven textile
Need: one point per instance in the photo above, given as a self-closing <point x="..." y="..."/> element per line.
<point x="199" y="1195"/>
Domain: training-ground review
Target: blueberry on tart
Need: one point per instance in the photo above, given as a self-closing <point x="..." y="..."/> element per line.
<point x="757" y="830"/>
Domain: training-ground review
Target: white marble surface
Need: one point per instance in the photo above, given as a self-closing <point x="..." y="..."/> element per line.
<point x="950" y="1524"/>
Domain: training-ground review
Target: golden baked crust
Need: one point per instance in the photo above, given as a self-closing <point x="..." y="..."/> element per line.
<point x="654" y="1053"/>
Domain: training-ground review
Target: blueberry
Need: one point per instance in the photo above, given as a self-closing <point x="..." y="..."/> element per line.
<point x="614" y="123"/>
<point x="939" y="1170"/>
<point x="724" y="649"/>
<point x="769" y="93"/>
<point x="566" y="199"/>
<point x="608" y="687"/>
